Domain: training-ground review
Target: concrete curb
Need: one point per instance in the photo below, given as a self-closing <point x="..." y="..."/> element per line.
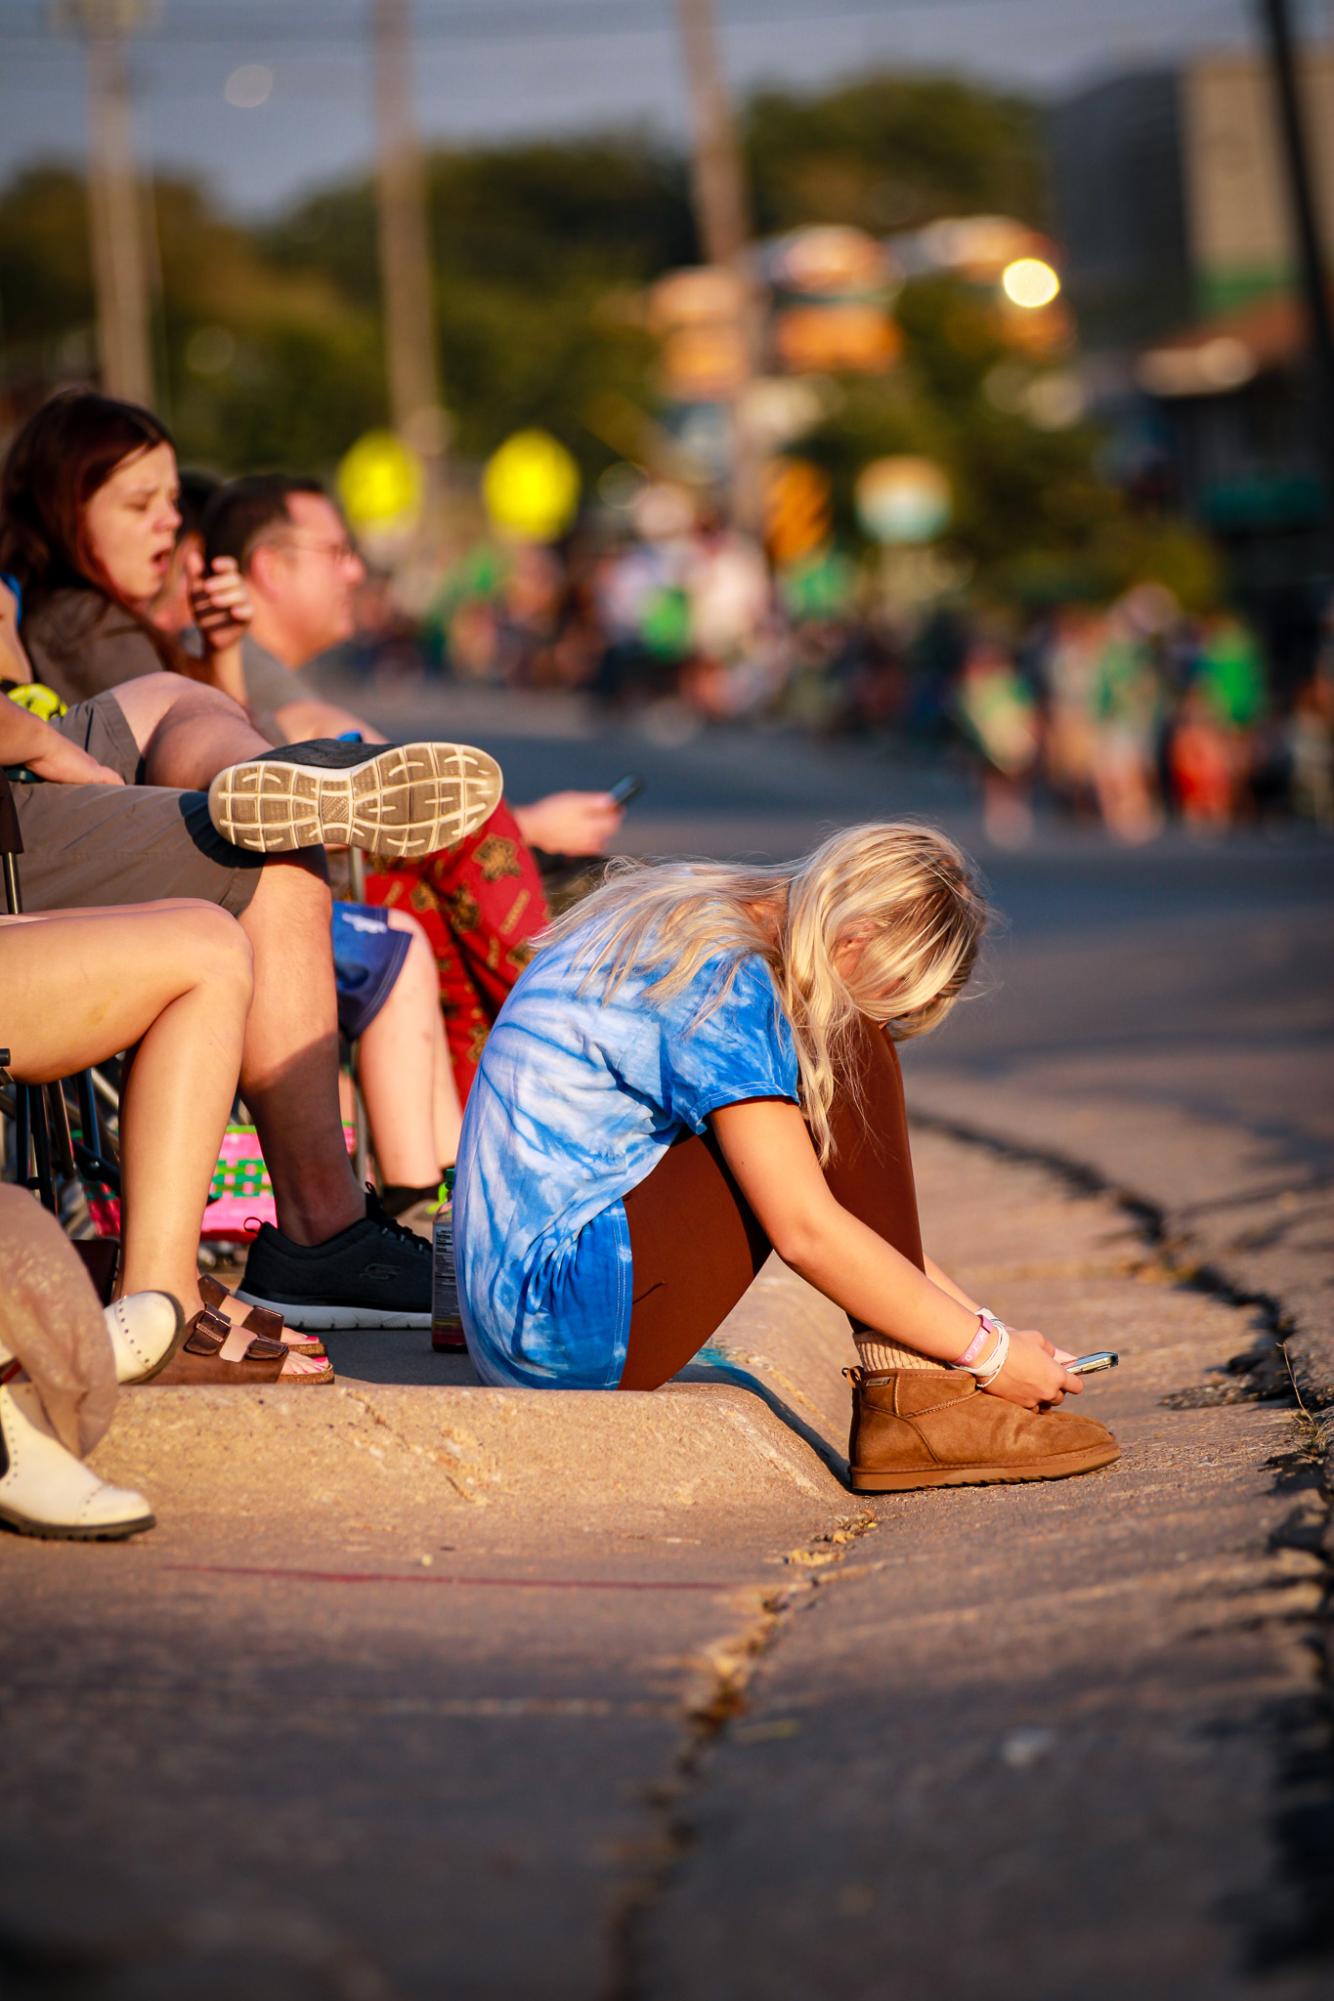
<point x="755" y="1427"/>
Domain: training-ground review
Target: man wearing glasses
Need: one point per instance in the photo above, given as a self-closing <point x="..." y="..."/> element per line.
<point x="480" y="902"/>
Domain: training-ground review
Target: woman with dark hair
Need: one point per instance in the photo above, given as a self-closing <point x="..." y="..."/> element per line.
<point x="88" y="523"/>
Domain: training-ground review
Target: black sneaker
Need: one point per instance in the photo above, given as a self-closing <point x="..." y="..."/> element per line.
<point x="372" y="1274"/>
<point x="395" y="800"/>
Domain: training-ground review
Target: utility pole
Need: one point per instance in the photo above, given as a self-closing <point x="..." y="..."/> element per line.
<point x="1277" y="25"/>
<point x="719" y="192"/>
<point x="115" y="213"/>
<point x="405" y="263"/>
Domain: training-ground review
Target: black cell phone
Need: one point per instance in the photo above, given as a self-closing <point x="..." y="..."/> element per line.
<point x="1092" y="1365"/>
<point x="625" y="789"/>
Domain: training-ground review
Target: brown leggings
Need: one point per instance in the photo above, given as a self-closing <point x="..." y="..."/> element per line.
<point x="697" y="1243"/>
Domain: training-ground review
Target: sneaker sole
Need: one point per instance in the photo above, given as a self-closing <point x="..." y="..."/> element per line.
<point x="1059" y="1467"/>
<point x="404" y="801"/>
<point x="319" y="1319"/>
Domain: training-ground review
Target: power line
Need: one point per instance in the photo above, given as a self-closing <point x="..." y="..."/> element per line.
<point x="578" y="19"/>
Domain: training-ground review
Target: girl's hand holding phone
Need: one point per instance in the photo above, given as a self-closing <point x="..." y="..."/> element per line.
<point x="1034" y="1374"/>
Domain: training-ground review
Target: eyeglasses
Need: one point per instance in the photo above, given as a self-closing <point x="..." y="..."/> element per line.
<point x="337" y="552"/>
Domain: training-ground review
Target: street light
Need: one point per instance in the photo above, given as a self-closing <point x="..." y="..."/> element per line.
<point x="1030" y="282"/>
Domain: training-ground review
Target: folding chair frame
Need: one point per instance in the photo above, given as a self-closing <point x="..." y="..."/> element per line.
<point x="45" y="1150"/>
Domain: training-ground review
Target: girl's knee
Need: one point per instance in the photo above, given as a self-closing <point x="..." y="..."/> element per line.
<point x="419" y="952"/>
<point x="403" y="920"/>
<point x="145" y="700"/>
<point x="153" y="701"/>
<point x="219" y="948"/>
<point x="184" y="697"/>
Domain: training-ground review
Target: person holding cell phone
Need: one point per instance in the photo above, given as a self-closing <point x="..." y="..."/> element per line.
<point x="480" y="901"/>
<point x="699" y="1067"/>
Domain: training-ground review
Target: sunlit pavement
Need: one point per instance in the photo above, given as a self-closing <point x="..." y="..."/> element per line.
<point x="413" y="1695"/>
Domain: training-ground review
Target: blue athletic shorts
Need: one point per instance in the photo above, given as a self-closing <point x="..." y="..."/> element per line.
<point x="368" y="957"/>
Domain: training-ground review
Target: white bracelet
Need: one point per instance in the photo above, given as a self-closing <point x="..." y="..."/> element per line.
<point x="996" y="1361"/>
<point x="988" y="1327"/>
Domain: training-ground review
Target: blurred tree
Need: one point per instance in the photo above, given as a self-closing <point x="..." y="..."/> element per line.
<point x="256" y="365"/>
<point x="46" y="281"/>
<point x="530" y="215"/>
<point x="270" y="350"/>
<point x="892" y="153"/>
<point x="528" y="242"/>
<point x="1033" y="518"/>
<point x="264" y="366"/>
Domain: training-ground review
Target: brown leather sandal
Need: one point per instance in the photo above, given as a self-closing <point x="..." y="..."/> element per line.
<point x="260" y="1320"/>
<point x="200" y="1358"/>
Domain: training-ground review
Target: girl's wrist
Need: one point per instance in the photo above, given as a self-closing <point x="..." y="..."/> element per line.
<point x="986" y="1353"/>
<point x="986" y="1372"/>
<point x="984" y="1337"/>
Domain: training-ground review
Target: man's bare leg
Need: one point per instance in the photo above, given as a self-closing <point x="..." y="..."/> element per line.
<point x="289" y="1064"/>
<point x="187" y="733"/>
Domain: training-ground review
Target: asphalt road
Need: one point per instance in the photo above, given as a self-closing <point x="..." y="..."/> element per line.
<point x="1158" y="1019"/>
<point x="1193" y="975"/>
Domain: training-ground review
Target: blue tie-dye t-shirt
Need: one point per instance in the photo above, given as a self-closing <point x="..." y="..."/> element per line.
<point x="575" y="1102"/>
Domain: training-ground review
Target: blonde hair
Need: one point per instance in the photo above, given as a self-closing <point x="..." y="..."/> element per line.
<point x="902" y="891"/>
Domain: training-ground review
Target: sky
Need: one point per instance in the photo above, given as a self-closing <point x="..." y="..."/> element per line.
<point x="267" y="99"/>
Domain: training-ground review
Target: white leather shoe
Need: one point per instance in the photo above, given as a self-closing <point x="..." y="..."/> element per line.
<point x="46" y="1491"/>
<point x="146" y="1329"/>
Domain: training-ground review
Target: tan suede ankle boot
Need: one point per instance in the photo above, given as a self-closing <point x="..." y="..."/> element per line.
<point x="935" y="1428"/>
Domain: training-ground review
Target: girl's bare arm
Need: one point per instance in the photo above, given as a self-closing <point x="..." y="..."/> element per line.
<point x="767" y="1147"/>
<point x="950" y="1285"/>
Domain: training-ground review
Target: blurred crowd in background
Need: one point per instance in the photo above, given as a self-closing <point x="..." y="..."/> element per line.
<point x="1130" y="713"/>
<point x="912" y="415"/>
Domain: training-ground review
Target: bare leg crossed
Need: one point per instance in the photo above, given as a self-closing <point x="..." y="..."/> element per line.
<point x="406" y="1077"/>
<point x="186" y="733"/>
<point x="289" y="1062"/>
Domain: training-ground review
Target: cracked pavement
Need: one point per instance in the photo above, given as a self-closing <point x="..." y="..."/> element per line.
<point x="679" y="1748"/>
<point x="420" y="1690"/>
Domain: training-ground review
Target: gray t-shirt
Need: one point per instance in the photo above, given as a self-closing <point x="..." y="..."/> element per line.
<point x="81" y="643"/>
<point x="270" y="686"/>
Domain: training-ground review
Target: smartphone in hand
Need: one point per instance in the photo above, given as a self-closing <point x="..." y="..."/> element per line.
<point x="1094" y="1364"/>
<point x="625" y="789"/>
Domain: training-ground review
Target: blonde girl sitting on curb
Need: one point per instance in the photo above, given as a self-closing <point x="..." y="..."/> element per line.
<point x="699" y="1068"/>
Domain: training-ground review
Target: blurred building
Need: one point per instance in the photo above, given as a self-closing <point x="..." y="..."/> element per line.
<point x="1169" y="193"/>
<point x="1181" y="267"/>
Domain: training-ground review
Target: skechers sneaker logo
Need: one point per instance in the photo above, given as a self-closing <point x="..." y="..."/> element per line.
<point x="382" y="1271"/>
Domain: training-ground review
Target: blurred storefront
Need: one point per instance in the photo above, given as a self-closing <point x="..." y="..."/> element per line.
<point x="1181" y="268"/>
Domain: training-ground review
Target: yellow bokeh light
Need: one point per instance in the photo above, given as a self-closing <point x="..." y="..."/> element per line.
<point x="1030" y="282"/>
